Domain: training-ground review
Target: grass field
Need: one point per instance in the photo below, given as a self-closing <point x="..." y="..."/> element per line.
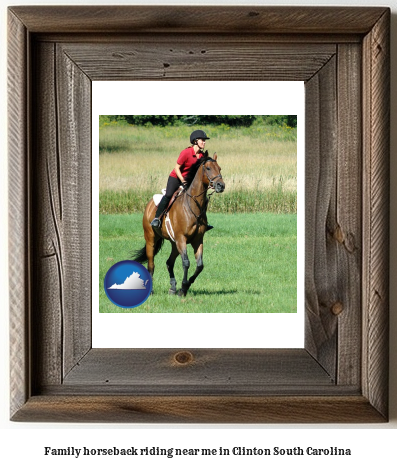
<point x="249" y="264"/>
<point x="258" y="166"/>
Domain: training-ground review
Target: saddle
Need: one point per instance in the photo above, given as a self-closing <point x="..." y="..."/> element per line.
<point x="158" y="197"/>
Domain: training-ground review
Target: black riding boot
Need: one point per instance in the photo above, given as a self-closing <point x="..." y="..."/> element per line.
<point x="160" y="209"/>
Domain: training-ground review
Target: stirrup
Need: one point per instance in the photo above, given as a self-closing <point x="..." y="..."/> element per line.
<point x="156" y="222"/>
<point x="209" y="227"/>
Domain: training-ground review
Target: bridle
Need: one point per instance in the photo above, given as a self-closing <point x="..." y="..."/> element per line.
<point x="211" y="181"/>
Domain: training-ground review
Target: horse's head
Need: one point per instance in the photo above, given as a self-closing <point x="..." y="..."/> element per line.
<point x="212" y="174"/>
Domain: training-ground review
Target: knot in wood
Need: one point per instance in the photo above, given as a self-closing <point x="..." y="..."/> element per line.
<point x="337" y="308"/>
<point x="183" y="358"/>
<point x="338" y="235"/>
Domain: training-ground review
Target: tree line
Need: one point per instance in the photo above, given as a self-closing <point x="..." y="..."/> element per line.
<point x="195" y="120"/>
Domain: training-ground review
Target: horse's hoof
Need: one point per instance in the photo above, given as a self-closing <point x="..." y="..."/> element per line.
<point x="171" y="291"/>
<point x="181" y="293"/>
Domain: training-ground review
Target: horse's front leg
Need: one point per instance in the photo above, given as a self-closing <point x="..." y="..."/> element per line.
<point x="198" y="253"/>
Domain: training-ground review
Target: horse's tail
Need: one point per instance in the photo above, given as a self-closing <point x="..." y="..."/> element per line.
<point x="140" y="255"/>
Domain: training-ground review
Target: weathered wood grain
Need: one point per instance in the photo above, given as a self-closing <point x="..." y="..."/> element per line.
<point x="376" y="105"/>
<point x="245" y="37"/>
<point x="229" y="369"/>
<point x="47" y="202"/>
<point x="322" y="288"/>
<point x="347" y="227"/>
<point x="199" y="409"/>
<point x="341" y="376"/>
<point x="225" y="59"/>
<point x="73" y="124"/>
<point x="62" y="222"/>
<point x="19" y="224"/>
<point x="181" y="19"/>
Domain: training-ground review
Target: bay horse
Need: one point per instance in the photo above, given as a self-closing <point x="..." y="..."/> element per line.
<point x="189" y="222"/>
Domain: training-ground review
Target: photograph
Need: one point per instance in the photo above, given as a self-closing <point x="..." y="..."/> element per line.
<point x="166" y="181"/>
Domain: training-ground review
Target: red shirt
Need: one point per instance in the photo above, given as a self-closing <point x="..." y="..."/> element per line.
<point x="186" y="159"/>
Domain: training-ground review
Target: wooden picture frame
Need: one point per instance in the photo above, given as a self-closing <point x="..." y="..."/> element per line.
<point x="342" y="54"/>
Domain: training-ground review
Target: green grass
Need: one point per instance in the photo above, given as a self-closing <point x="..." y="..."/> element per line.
<point x="249" y="264"/>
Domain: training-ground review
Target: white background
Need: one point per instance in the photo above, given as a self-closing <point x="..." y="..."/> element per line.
<point x="129" y="329"/>
<point x="373" y="446"/>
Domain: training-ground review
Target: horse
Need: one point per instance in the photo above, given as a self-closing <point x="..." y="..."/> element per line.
<point x="189" y="222"/>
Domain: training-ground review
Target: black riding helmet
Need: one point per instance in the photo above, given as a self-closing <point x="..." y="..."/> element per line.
<point x="197" y="135"/>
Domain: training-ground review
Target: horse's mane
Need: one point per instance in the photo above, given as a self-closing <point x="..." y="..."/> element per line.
<point x="193" y="169"/>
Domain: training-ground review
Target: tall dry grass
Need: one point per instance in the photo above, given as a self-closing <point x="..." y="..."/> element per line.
<point x="258" y="163"/>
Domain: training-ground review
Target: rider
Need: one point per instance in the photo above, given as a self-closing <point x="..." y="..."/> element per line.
<point x="177" y="177"/>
